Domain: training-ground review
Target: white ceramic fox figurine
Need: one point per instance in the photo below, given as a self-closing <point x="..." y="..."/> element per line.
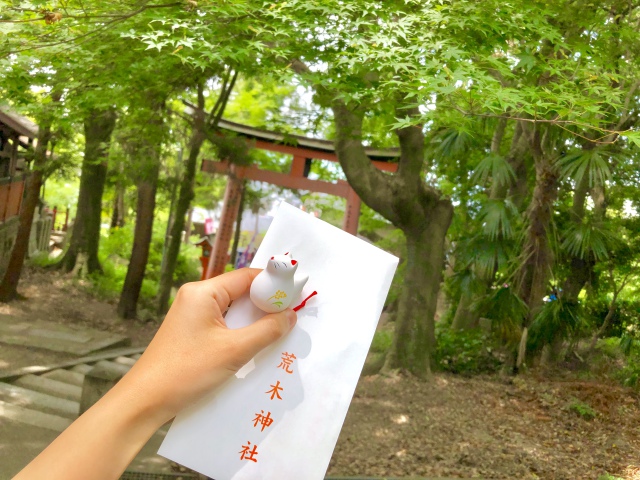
<point x="277" y="286"/>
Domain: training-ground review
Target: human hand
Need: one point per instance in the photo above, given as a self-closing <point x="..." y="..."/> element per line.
<point x="193" y="351"/>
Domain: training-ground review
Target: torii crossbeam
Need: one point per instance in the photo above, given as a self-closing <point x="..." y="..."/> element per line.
<point x="304" y="150"/>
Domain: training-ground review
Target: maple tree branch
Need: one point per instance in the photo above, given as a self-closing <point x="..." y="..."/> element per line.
<point x="118" y="19"/>
<point x="555" y="121"/>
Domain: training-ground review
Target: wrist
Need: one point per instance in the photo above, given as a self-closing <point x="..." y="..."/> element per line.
<point x="142" y="399"/>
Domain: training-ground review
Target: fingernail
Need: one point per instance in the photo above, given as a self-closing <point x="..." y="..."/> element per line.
<point x="292" y="317"/>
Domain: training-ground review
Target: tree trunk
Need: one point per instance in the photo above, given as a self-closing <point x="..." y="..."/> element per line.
<point x="236" y="234"/>
<point x="537" y="256"/>
<point x="117" y="218"/>
<point x="464" y="318"/>
<point x="182" y="206"/>
<point x="598" y="194"/>
<point x="85" y="236"/>
<point x="607" y="321"/>
<point x="580" y="268"/>
<point x="170" y="220"/>
<point x="9" y="285"/>
<point x="519" y="160"/>
<point x="201" y="127"/>
<point x="188" y="225"/>
<point x="414" y="341"/>
<point x="420" y="212"/>
<point x="128" y="304"/>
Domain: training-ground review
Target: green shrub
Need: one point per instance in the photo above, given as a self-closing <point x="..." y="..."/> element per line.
<point x="610" y="347"/>
<point x="506" y="310"/>
<point x="382" y="341"/>
<point x="108" y="285"/>
<point x="557" y="319"/>
<point x="468" y="353"/>
<point x="608" y="476"/>
<point x="188" y="265"/>
<point x="625" y="354"/>
<point x="42" y="259"/>
<point x="627" y="313"/>
<point x="115" y="249"/>
<point x="629" y="375"/>
<point x="582" y="409"/>
<point x="117" y="242"/>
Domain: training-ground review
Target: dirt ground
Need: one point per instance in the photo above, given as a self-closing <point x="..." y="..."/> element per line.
<point x="54" y="297"/>
<point x="490" y="427"/>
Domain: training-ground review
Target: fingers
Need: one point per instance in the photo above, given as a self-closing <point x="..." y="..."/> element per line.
<point x="264" y="332"/>
<point x="229" y="286"/>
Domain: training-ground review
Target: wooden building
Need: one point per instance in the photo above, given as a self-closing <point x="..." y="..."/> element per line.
<point x="17" y="136"/>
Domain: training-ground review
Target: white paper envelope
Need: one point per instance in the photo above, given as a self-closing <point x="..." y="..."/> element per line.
<point x="244" y="430"/>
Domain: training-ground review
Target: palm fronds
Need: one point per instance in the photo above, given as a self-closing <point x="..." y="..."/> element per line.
<point x="498" y="218"/>
<point x="495" y="167"/>
<point x="590" y="239"/>
<point x="556" y="319"/>
<point x="506" y="311"/>
<point x="590" y="163"/>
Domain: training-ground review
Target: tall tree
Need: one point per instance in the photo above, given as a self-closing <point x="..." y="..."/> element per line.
<point x="145" y="150"/>
<point x="423" y="215"/>
<point x="202" y="125"/>
<point x="85" y="235"/>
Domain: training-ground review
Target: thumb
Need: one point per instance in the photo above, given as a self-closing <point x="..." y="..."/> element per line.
<point x="264" y="332"/>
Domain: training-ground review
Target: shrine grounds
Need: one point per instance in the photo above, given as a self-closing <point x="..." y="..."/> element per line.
<point x="569" y="426"/>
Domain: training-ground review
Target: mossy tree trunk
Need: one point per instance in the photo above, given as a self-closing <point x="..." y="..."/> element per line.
<point x="537" y="256"/>
<point x="423" y="215"/>
<point x="85" y="236"/>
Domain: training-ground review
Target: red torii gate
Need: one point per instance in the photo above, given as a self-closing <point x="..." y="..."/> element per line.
<point x="304" y="151"/>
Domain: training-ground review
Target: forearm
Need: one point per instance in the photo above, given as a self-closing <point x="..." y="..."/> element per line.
<point x="102" y="442"/>
<point x="192" y="353"/>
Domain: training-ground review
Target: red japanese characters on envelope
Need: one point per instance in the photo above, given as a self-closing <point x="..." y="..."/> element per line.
<point x="280" y="417"/>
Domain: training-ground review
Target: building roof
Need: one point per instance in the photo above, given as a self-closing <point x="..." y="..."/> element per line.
<point x="18" y="123"/>
<point x="380" y="154"/>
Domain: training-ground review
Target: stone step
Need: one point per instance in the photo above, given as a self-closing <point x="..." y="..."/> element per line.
<point x="66" y="376"/>
<point x="109" y="370"/>
<point x="125" y="361"/>
<point x="99" y="380"/>
<point x="33" y="417"/>
<point x="82" y="368"/>
<point x="25" y="398"/>
<point x="51" y="387"/>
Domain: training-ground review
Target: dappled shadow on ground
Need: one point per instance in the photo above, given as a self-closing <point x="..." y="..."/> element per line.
<point x="523" y="428"/>
<point x="59" y="298"/>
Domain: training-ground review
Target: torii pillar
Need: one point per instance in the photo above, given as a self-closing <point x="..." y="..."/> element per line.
<point x="230" y="206"/>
